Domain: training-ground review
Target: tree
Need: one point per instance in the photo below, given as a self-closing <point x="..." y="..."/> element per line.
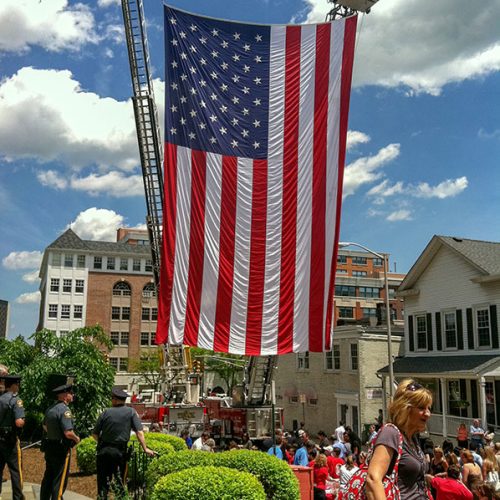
<point x="149" y="368"/>
<point x="81" y="353"/>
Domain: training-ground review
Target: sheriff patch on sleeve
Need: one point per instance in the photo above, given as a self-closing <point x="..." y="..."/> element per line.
<point x="67" y="414"/>
<point x="19" y="403"/>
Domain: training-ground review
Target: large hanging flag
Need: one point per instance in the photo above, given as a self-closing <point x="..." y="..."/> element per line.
<point x="255" y="134"/>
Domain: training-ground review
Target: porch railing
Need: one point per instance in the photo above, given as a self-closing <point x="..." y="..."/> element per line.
<point x="435" y="424"/>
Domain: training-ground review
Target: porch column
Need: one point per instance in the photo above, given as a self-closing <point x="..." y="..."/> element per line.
<point x="482" y="401"/>
<point x="444" y="404"/>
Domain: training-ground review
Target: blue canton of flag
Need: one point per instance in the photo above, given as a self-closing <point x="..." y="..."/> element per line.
<point x="217" y="85"/>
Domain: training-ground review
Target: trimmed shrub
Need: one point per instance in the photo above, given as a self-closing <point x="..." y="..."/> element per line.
<point x="85" y="456"/>
<point x="177" y="443"/>
<point x="276" y="476"/>
<point x="209" y="483"/>
<point x="138" y="467"/>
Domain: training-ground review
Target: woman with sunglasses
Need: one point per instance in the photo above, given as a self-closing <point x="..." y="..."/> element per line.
<point x="408" y="412"/>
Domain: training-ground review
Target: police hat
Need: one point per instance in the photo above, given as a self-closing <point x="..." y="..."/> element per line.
<point x="119" y="393"/>
<point x="13" y="379"/>
<point x="63" y="388"/>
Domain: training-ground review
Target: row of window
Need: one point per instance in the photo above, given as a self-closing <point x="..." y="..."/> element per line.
<point x="359" y="261"/>
<point x="109" y="263"/>
<point x="122" y="338"/>
<point x="368" y="292"/>
<point x="332" y="359"/>
<point x="119" y="364"/>
<point x="447" y="328"/>
<point x="64" y="311"/>
<point x="123" y="313"/>
<point x="123" y="289"/>
<point x="67" y="285"/>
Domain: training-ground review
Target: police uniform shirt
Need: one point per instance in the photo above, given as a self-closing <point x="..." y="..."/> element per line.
<point x="58" y="419"/>
<point x="9" y="400"/>
<point x="114" y="424"/>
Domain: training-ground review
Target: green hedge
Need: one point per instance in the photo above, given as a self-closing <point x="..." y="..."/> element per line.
<point x="275" y="475"/>
<point x="85" y="456"/>
<point x="177" y="443"/>
<point x="208" y="483"/>
<point x="142" y="464"/>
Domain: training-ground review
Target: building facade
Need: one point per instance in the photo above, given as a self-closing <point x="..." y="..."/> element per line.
<point x="452" y="301"/>
<point x="4" y="319"/>
<point x="87" y="283"/>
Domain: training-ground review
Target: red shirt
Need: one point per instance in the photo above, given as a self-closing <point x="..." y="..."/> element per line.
<point x="334" y="463"/>
<point x="450" y="488"/>
<point x="320" y="477"/>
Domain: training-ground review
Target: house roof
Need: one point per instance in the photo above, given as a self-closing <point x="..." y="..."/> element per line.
<point x="482" y="255"/>
<point x="439" y="365"/>
<point x="69" y="240"/>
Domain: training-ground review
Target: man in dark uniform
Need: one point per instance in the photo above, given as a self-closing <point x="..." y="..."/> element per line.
<point x="112" y="433"/>
<point x="3" y="371"/>
<point x="11" y="421"/>
<point x="60" y="438"/>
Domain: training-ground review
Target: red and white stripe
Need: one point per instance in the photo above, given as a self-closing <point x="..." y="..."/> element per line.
<point x="250" y="245"/>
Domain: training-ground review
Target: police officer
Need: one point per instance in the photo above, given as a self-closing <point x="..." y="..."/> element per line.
<point x="60" y="438"/>
<point x="3" y="371"/>
<point x="112" y="433"/>
<point x="11" y="421"/>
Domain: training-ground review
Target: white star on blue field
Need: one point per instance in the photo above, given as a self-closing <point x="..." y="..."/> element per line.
<point x="424" y="126"/>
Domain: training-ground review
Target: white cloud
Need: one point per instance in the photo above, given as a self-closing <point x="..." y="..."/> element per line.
<point x="22" y="260"/>
<point x="107" y="3"/>
<point x="65" y="123"/>
<point x="355" y="137"/>
<point x="399" y="215"/>
<point x="52" y="179"/>
<point x="98" y="224"/>
<point x="423" y="44"/>
<point x="51" y="24"/>
<point x="445" y="189"/>
<point x="28" y="298"/>
<point x="365" y="170"/>
<point x="31" y="277"/>
<point x="111" y="184"/>
<point x="483" y="134"/>
<point x="384" y="189"/>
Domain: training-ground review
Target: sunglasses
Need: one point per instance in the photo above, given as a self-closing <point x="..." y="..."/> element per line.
<point x="414" y="387"/>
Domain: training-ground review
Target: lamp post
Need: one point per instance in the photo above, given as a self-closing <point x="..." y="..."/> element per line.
<point x="385" y="258"/>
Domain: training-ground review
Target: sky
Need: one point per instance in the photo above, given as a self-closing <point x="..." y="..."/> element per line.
<point x="423" y="142"/>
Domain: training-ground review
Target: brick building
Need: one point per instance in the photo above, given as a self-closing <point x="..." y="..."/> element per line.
<point x="84" y="283"/>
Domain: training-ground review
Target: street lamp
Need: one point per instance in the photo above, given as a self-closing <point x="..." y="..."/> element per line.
<point x="385" y="258"/>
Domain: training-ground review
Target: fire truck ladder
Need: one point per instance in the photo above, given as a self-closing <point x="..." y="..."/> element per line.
<point x="146" y="119"/>
<point x="258" y="377"/>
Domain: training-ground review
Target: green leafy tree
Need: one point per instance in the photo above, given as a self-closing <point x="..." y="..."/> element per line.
<point x="81" y="353"/>
<point x="149" y="369"/>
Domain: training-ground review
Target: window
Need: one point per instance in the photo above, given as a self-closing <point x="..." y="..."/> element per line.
<point x="378" y="262"/>
<point x="115" y="313"/>
<point x="124" y="338"/>
<point x="392" y="293"/>
<point x="369" y="312"/>
<point x="122" y="288"/>
<point x="450" y="330"/>
<point x="154" y="314"/>
<point x="67" y="286"/>
<point x="346" y="312"/>
<point x="357" y="274"/>
<point x="359" y="261"/>
<point x="126" y="313"/>
<point x="369" y="292"/>
<point x="153" y="338"/>
<point x="345" y="291"/>
<point x="110" y="266"/>
<point x="340" y="271"/>
<point x="329" y="360"/>
<point x="65" y="311"/>
<point x="136" y="265"/>
<point x="53" y="311"/>
<point x="149" y="266"/>
<point x="421" y="332"/>
<point x="303" y="361"/>
<point x="293" y="399"/>
<point x="149" y="290"/>
<point x="123" y="264"/>
<point x="145" y="314"/>
<point x="341" y="259"/>
<point x="354" y="357"/>
<point x="483" y="327"/>
<point x="313" y="401"/>
<point x="336" y="356"/>
<point x="80" y="261"/>
<point x="79" y="284"/>
<point x="54" y="284"/>
<point x="56" y="259"/>
<point x="97" y="262"/>
<point x="144" y="338"/>
<point x="63" y="333"/>
<point x="114" y="362"/>
<point x="115" y="337"/>
<point x="68" y="260"/>
<point x="78" y="312"/>
<point x="122" y="364"/>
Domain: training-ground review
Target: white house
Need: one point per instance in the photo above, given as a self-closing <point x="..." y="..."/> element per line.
<point x="451" y="301"/>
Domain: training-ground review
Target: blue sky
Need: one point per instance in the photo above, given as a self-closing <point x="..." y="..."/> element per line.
<point x="424" y="140"/>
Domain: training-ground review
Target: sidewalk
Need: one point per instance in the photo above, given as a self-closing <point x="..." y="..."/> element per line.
<point x="32" y="492"/>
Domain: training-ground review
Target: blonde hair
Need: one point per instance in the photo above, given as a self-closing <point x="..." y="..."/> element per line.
<point x="406" y="399"/>
<point x="467" y="454"/>
<point x="437" y="449"/>
<point x="488" y="465"/>
<point x="320" y="460"/>
<point x="489" y="454"/>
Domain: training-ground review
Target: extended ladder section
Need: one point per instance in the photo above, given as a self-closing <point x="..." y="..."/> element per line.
<point x="258" y="377"/>
<point x="146" y="119"/>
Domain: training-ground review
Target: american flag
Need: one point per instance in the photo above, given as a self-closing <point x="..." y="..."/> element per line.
<point x="255" y="132"/>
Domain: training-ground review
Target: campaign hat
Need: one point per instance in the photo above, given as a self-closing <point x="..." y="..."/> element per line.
<point x="63" y="388"/>
<point x="14" y="379"/>
<point x="118" y="393"/>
